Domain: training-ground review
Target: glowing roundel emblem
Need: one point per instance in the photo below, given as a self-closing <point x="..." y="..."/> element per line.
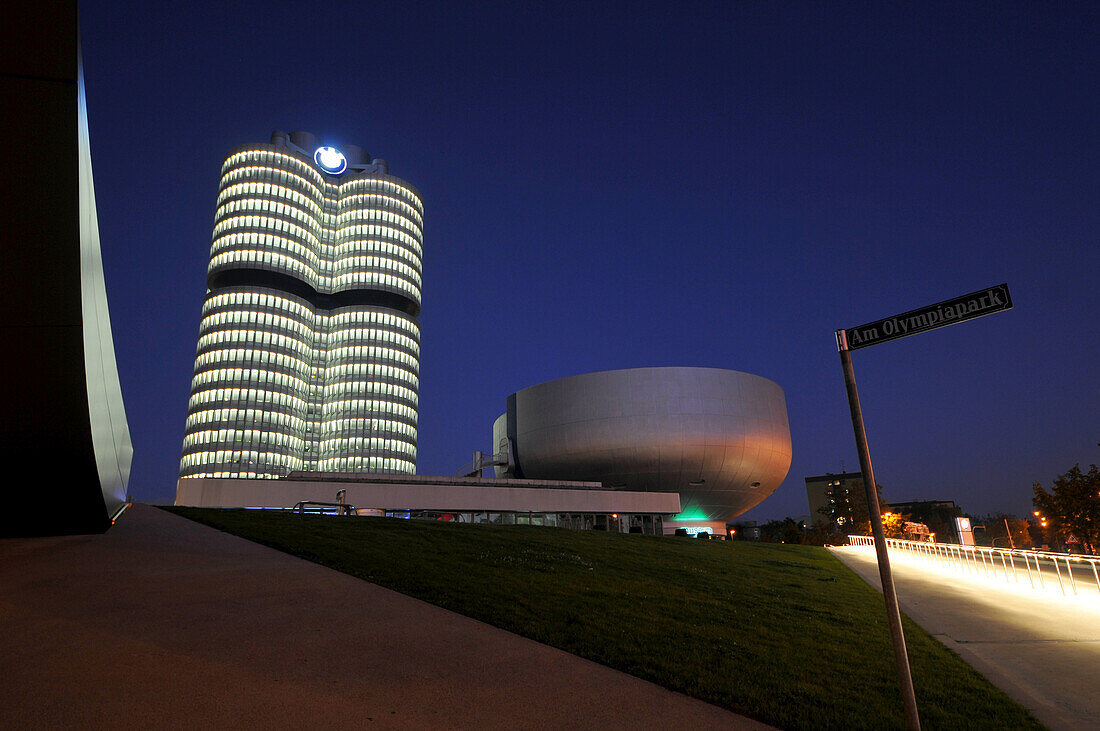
<point x="331" y="160"/>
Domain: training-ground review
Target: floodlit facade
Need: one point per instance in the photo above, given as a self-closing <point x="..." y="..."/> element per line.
<point x="308" y="355"/>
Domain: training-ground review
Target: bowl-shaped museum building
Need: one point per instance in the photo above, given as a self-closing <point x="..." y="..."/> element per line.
<point x="719" y="438"/>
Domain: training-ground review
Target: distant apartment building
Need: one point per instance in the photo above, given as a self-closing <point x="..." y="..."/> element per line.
<point x="830" y="497"/>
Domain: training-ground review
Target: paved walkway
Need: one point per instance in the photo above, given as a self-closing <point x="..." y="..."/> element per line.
<point x="1043" y="650"/>
<point x="164" y="623"/>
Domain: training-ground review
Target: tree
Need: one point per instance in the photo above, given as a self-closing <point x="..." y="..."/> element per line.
<point x="781" y="531"/>
<point x="893" y="524"/>
<point x="1073" y="505"/>
<point x="820" y="533"/>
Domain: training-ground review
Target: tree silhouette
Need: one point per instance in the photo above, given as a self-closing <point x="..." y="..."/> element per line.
<point x="1073" y="505"/>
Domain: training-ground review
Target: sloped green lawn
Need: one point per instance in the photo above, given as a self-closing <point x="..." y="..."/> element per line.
<point x="784" y="634"/>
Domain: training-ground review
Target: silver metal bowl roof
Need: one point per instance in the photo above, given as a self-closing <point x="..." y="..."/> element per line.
<point x="718" y="437"/>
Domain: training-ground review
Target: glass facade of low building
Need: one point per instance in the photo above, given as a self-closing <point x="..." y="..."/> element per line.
<point x="309" y="347"/>
<point x="646" y="523"/>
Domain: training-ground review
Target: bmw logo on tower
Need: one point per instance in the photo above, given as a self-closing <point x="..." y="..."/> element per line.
<point x="330" y="160"/>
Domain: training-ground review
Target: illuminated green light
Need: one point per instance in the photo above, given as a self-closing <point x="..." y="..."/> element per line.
<point x="694" y="513"/>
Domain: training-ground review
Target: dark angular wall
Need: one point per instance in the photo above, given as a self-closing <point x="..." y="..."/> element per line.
<point x="63" y="434"/>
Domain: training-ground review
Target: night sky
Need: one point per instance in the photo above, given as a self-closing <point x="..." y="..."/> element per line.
<point x="616" y="185"/>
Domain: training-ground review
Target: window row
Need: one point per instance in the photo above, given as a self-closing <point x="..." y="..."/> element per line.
<point x="375" y="370"/>
<point x="352" y="407"/>
<point x="356" y="186"/>
<point x="376" y="201"/>
<point x="395" y="234"/>
<point x="232" y="458"/>
<point x="358" y="247"/>
<point x="372" y="354"/>
<point x="257" y="337"/>
<point x="256" y="299"/>
<point x="379" y="280"/>
<point x="264" y="174"/>
<point x="339" y="338"/>
<point x="356" y="388"/>
<point x="367" y="444"/>
<point x="360" y="360"/>
<point x="332" y="256"/>
<point x="278" y="192"/>
<point x="268" y="320"/>
<point x="290" y="448"/>
<point x="225" y="417"/>
<point x="288" y="443"/>
<point x="380" y="327"/>
<point x="243" y="396"/>
<point x="234" y="223"/>
<point x="304" y="256"/>
<point x="249" y="357"/>
<point x="343" y="317"/>
<point x="372" y="464"/>
<point x="228" y="378"/>
<point x="228" y="250"/>
<point x="336" y="356"/>
<point x="277" y="208"/>
<point x="373" y="215"/>
<point x="355" y="427"/>
<point x="231" y="421"/>
<point x="245" y="474"/>
<point x="272" y="163"/>
<point x="271" y="157"/>
<point x="379" y="262"/>
<point x="238" y="376"/>
<point x="270" y="260"/>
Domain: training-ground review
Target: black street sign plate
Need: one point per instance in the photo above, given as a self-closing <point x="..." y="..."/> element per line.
<point x="959" y="309"/>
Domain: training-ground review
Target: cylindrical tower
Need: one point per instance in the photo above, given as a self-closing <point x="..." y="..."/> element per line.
<point x="309" y="347"/>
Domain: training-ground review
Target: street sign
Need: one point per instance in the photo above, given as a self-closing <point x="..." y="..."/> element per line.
<point x="948" y="312"/>
<point x="967" y="307"/>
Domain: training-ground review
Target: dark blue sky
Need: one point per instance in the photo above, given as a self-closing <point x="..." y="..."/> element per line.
<point x="614" y="185"/>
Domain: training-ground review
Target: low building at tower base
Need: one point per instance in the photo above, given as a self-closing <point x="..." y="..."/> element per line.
<point x="578" y="505"/>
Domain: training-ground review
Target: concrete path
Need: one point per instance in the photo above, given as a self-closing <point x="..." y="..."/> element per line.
<point x="1041" y="649"/>
<point x="163" y="623"/>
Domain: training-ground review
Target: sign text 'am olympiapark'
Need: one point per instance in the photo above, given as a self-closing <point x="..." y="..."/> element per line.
<point x="959" y="309"/>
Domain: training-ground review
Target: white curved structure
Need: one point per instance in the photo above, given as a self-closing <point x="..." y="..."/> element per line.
<point x="309" y="348"/>
<point x="719" y="438"/>
<point x="62" y="405"/>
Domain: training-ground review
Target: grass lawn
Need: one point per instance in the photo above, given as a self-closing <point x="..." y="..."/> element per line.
<point x="784" y="634"/>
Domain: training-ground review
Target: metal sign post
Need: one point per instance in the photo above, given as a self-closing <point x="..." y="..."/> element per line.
<point x="893" y="614"/>
<point x="959" y="309"/>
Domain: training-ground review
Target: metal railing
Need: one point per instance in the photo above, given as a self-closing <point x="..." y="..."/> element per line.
<point x="996" y="563"/>
<point x="312" y="506"/>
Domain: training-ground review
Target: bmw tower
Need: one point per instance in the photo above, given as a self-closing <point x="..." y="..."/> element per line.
<point x="309" y="348"/>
